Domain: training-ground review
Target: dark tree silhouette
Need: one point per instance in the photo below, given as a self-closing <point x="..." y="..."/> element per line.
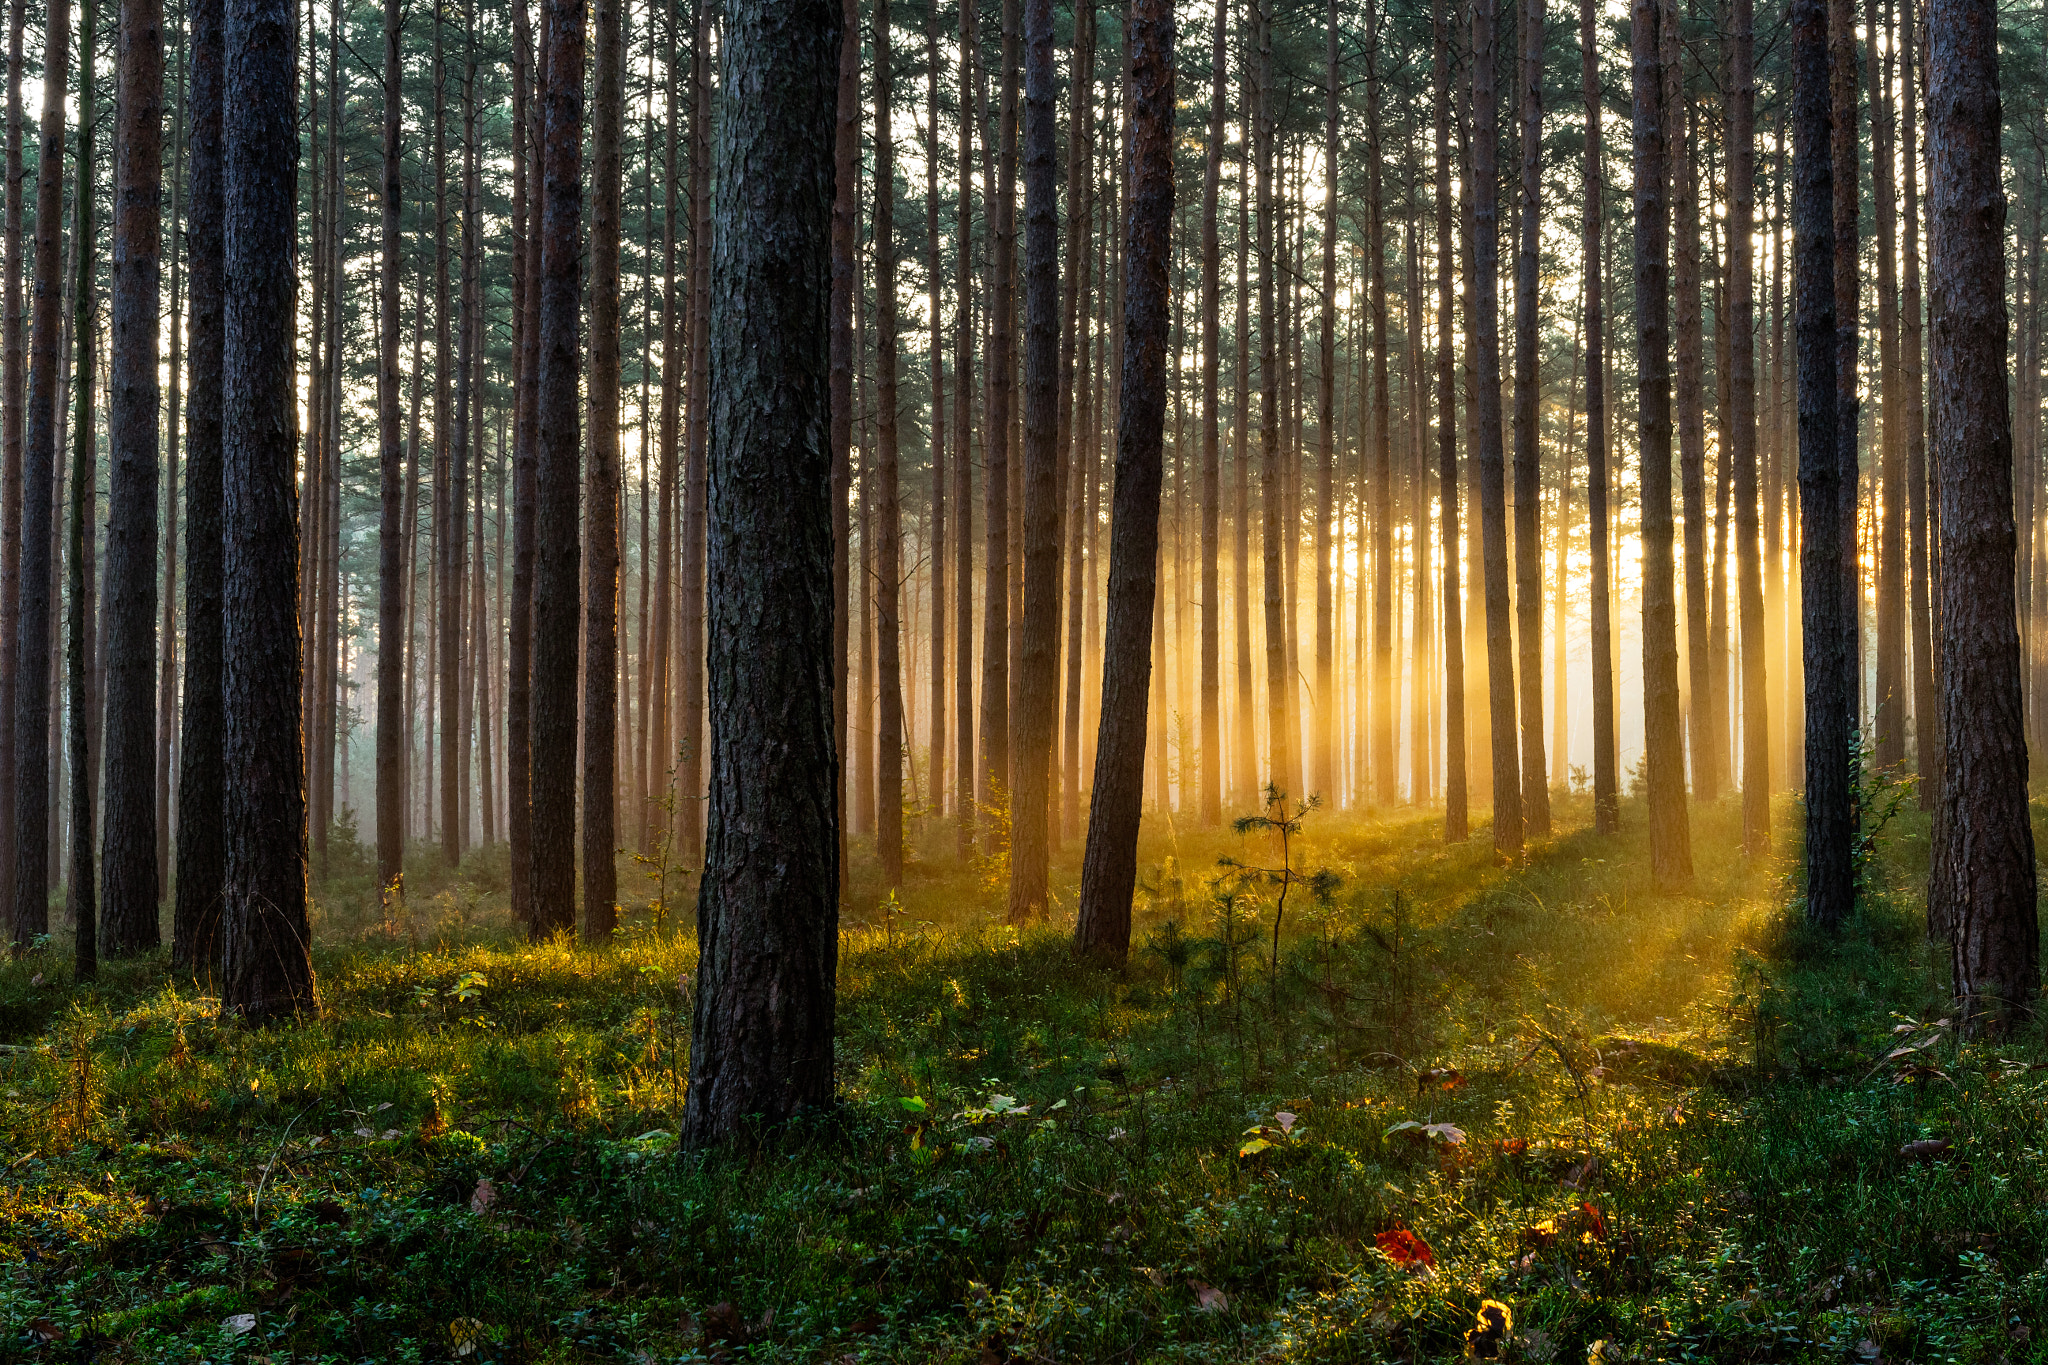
<point x="1983" y="880"/>
<point x="1109" y="866"/>
<point x="391" y="566"/>
<point x="767" y="915"/>
<point x="601" y="487"/>
<point x="1600" y="621"/>
<point x="1528" y="455"/>
<point x="265" y="939"/>
<point x="1457" y="826"/>
<point x="1756" y="726"/>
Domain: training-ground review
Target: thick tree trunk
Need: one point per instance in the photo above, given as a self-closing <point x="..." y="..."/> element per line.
<point x="557" y="572"/>
<point x="767" y="922"/>
<point x="1749" y="589"/>
<point x="1484" y="326"/>
<point x="992" y="783"/>
<point x="845" y="284"/>
<point x="1457" y="818"/>
<point x="1600" y="590"/>
<point x="1528" y="450"/>
<point x="1109" y="867"/>
<point x="601" y="487"/>
<point x="1844" y="88"/>
<point x="1982" y="883"/>
<point x="128" y="856"/>
<point x="32" y="651"/>
<point x="1663" y="743"/>
<point x="265" y="937"/>
<point x="1830" y="815"/>
<point x="1038" y="684"/>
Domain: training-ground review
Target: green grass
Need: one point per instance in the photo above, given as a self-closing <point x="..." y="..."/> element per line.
<point x="1652" y="1127"/>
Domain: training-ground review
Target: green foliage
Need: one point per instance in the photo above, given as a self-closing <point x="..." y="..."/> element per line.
<point x="1537" y="1113"/>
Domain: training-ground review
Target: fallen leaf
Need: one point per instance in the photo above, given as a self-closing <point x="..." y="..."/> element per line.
<point x="1867" y="1349"/>
<point x="1155" y="1275"/>
<point x="486" y="1194"/>
<point x="45" y="1330"/>
<point x="1212" y="1299"/>
<point x="1595" y="1224"/>
<point x="722" y="1323"/>
<point x="238" y="1324"/>
<point x="464" y="1334"/>
<point x="1404" y="1248"/>
<point x="1925" y="1150"/>
<point x="1285" y="1120"/>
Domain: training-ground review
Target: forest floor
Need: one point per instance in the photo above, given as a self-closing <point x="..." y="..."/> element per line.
<point x="1537" y="1112"/>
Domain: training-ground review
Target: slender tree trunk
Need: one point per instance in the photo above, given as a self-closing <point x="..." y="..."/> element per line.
<point x="1844" y="87"/>
<point x="267" y="972"/>
<point x="167" y="672"/>
<point x="526" y="253"/>
<point x="939" y="546"/>
<point x="195" y="919"/>
<point x="1457" y="826"/>
<point x="1077" y="444"/>
<point x="1528" y="451"/>
<point x="1212" y="755"/>
<point x="689" y="747"/>
<point x="1890" y="720"/>
<point x="993" y="781"/>
<point x="1830" y="816"/>
<point x="761" y="1038"/>
<point x="1037" y="694"/>
<point x="1600" y="590"/>
<point x="887" y="525"/>
<point x="1663" y="743"/>
<point x="558" y="554"/>
<point x="81" y="898"/>
<point x="1926" y="711"/>
<point x="1689" y="382"/>
<point x="1110" y="865"/>
<point x="1326" y="766"/>
<point x="128" y="856"/>
<point x="1484" y="325"/>
<point x="13" y="382"/>
<point x="1756" y="746"/>
<point x="33" y="696"/>
<point x="1982" y="884"/>
<point x="1280" y="762"/>
<point x="964" y="770"/>
<point x="601" y="485"/>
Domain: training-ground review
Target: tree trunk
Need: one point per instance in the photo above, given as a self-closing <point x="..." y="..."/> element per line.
<point x="128" y="857"/>
<point x="1925" y="707"/>
<point x="936" y="745"/>
<point x="1843" y="91"/>
<point x="845" y="283"/>
<point x="1484" y="328"/>
<point x="1689" y="382"/>
<point x="1663" y="743"/>
<point x="1830" y="817"/>
<point x="526" y="259"/>
<point x="1327" y="767"/>
<point x="965" y="774"/>
<point x="1037" y="688"/>
<point x="888" y="522"/>
<point x="1889" y="722"/>
<point x="992" y="785"/>
<point x="1528" y="453"/>
<point x="1077" y="445"/>
<point x="392" y="569"/>
<point x="167" y="671"/>
<point x="688" y="746"/>
<point x="31" y="719"/>
<point x="1982" y="884"/>
<point x="265" y="937"/>
<point x="761" y="1038"/>
<point x="13" y="380"/>
<point x="1212" y="755"/>
<point x="1457" y="826"/>
<point x="601" y="487"/>
<point x="1280" y="762"/>
<point x="557" y="572"/>
<point x="1600" y="590"/>
<point x="80" y="898"/>
<point x="1110" y="865"/>
<point x="1749" y="589"/>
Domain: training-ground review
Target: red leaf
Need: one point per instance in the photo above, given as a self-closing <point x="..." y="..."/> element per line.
<point x="1404" y="1248"/>
<point x="1595" y="1224"/>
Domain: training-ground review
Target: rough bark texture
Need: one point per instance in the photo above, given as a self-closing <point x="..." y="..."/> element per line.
<point x="391" y="565"/>
<point x="601" y="488"/>
<point x="1663" y="741"/>
<point x="767" y="917"/>
<point x="1483" y="326"/>
<point x="1038" y="685"/>
<point x="267" y="972"/>
<point x="1457" y="818"/>
<point x="1749" y="586"/>
<point x="1280" y="764"/>
<point x="845" y="283"/>
<point x="557" y="589"/>
<point x="1925" y="709"/>
<point x="964" y="771"/>
<point x="13" y="381"/>
<point x="1689" y="383"/>
<point x="1830" y="821"/>
<point x="888" y="522"/>
<point x="195" y="919"/>
<point x="81" y="899"/>
<point x="1600" y="619"/>
<point x="1889" y="718"/>
<point x="128" y="855"/>
<point x="31" y="719"/>
<point x="1109" y="867"/>
<point x="1211" y="741"/>
<point x="1983" y="878"/>
<point x="525" y="451"/>
<point x="992" y="784"/>
<point x="1528" y="450"/>
<point x="1844" y="89"/>
<point x="1327" y="708"/>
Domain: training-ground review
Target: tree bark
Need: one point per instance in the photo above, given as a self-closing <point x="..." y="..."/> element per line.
<point x="1844" y="87"/>
<point x="601" y="487"/>
<point x="1457" y="818"/>
<point x="1600" y="590"/>
<point x="1528" y="451"/>
<point x="1663" y="744"/>
<point x="1109" y="867"/>
<point x="31" y="719"/>
<point x="1982" y="882"/>
<point x="761" y="1038"/>
<point x="1741" y="294"/>
<point x="1889" y="722"/>
<point x="1830" y="818"/>
<point x="1280" y="762"/>
<point x="265" y="937"/>
<point x="80" y="890"/>
<point x="1925" y="707"/>
<point x="965" y="774"/>
<point x="1484" y="325"/>
<point x="845" y="283"/>
<point x="392" y="569"/>
<point x="1037" y="687"/>
<point x="1327" y="767"/>
<point x="1212" y="756"/>
<point x="526" y="262"/>
<point x="13" y="382"/>
<point x="1689" y="383"/>
<point x="557" y="572"/>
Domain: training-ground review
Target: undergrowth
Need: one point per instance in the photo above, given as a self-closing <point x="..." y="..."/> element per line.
<point x="1454" y="1108"/>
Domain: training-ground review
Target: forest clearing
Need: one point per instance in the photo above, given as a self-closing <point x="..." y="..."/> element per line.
<point x="1679" y="1125"/>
